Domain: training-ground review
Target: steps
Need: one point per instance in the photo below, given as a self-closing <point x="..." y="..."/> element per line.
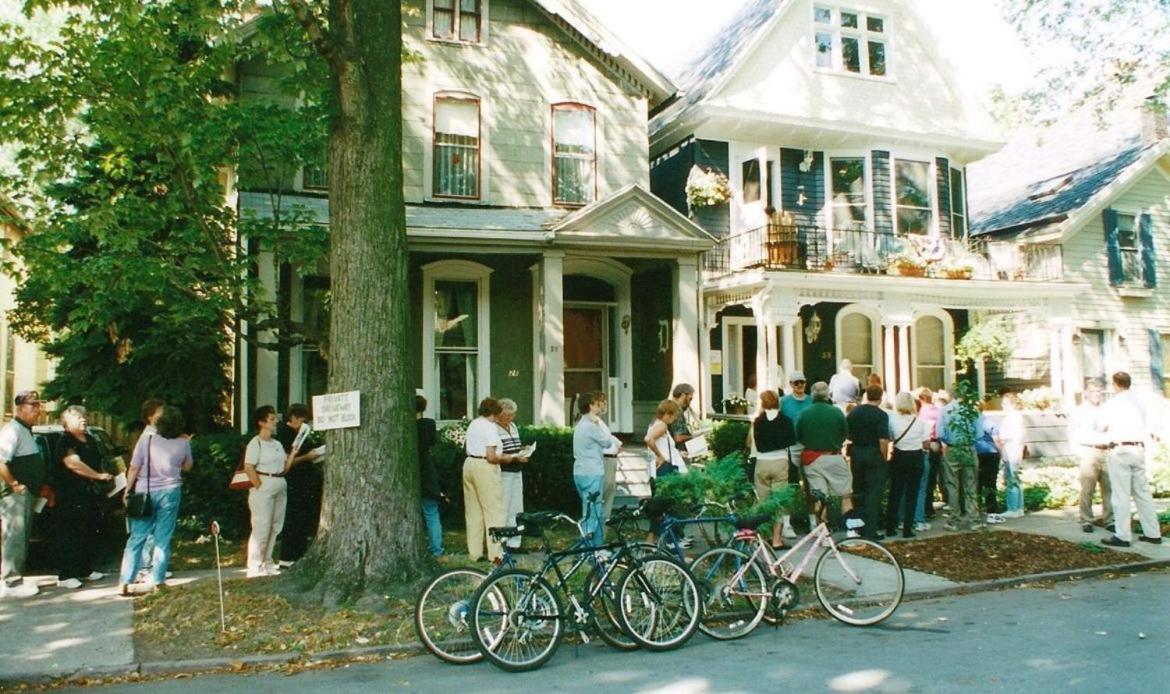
<point x="633" y="477"/>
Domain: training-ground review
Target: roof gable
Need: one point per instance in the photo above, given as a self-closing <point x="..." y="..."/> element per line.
<point x="631" y="218"/>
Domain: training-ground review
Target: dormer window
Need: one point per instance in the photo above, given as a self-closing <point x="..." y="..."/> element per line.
<point x="1049" y="187"/>
<point x="457" y="20"/>
<point x="850" y="41"/>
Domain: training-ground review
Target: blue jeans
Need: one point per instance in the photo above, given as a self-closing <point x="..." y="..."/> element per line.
<point x="591" y="511"/>
<point x="920" y="504"/>
<point x="160" y="524"/>
<point x="1014" y="498"/>
<point x="430" y="509"/>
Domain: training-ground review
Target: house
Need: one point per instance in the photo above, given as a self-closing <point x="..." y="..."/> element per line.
<point x="25" y="366"/>
<point x="845" y="137"/>
<point x="1091" y="195"/>
<point x="540" y="264"/>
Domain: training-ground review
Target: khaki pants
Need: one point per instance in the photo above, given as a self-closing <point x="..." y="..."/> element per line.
<point x="512" y="488"/>
<point x="1094" y="471"/>
<point x="16" y="512"/>
<point x="483" y="507"/>
<point x="1127" y="474"/>
<point x="267" y="504"/>
<point x="609" y="483"/>
<point x="960" y="484"/>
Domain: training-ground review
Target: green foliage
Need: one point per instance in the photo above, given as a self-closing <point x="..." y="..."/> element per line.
<point x="986" y="338"/>
<point x="729" y="436"/>
<point x="123" y="125"/>
<point x="206" y="496"/>
<point x="1160" y="469"/>
<point x="961" y="424"/>
<point x="1036" y="497"/>
<point x="725" y="482"/>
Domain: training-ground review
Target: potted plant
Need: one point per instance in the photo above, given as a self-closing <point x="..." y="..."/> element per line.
<point x="706" y="187"/>
<point x="782" y="245"/>
<point x="907" y="263"/>
<point x="956" y="269"/>
<point x="736" y="404"/>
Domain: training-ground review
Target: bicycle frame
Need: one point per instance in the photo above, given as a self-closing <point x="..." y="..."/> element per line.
<point x="763" y="556"/>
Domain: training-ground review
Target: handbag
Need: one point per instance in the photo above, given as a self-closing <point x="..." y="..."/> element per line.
<point x="240" y="480"/>
<point x="138" y="505"/>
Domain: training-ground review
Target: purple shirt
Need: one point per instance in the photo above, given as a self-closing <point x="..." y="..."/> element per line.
<point x="167" y="457"/>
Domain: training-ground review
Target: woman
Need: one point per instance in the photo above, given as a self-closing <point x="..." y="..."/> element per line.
<point x="988" y="457"/>
<point x="665" y="458"/>
<point x="930" y="414"/>
<point x="590" y="439"/>
<point x="265" y="463"/>
<point x="156" y="469"/>
<point x="1010" y="441"/>
<point x="909" y="436"/>
<point x="76" y="510"/>
<point x="511" y="473"/>
<point x="769" y="438"/>
<point x="483" y="494"/>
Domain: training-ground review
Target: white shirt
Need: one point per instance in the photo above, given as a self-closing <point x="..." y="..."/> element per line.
<point x="915" y="435"/>
<point x="666" y="448"/>
<point x="1087" y="424"/>
<point x="1012" y="435"/>
<point x="266" y="456"/>
<point x="482" y="433"/>
<point x="1124" y="418"/>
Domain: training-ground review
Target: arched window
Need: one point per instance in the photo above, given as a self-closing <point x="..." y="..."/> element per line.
<point x="933" y="350"/>
<point x="574" y="165"/>
<point x="456" y="356"/>
<point x="857" y="341"/>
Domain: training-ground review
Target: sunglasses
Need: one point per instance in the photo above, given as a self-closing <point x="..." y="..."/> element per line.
<point x="799" y="383"/>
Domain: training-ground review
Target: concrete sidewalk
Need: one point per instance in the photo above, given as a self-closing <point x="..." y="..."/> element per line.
<point x="62" y="633"/>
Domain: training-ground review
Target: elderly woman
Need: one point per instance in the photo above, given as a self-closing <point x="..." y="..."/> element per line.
<point x="909" y="436"/>
<point x="590" y="439"/>
<point x="76" y="469"/>
<point x="265" y="463"/>
<point x="483" y="492"/>
<point x="511" y="472"/>
<point x="156" y="467"/>
<point x="770" y="438"/>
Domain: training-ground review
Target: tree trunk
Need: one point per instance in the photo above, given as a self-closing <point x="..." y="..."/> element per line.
<point x="371" y="524"/>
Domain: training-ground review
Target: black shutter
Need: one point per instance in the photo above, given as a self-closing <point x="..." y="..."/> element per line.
<point x="1156" y="358"/>
<point x="1112" y="246"/>
<point x="942" y="177"/>
<point x="883" y="210"/>
<point x="1146" y="241"/>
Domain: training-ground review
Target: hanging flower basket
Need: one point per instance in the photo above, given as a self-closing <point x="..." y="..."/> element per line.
<point x="706" y="188"/>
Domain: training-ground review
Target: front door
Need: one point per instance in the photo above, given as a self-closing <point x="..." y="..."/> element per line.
<point x="585" y="340"/>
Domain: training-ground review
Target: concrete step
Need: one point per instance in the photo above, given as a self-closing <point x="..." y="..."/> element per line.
<point x="633" y="475"/>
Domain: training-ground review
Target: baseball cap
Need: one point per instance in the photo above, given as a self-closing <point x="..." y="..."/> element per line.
<point x="796" y="376"/>
<point x="28" y="397"/>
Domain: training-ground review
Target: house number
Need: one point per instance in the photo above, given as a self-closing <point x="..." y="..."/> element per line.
<point x="513" y="373"/>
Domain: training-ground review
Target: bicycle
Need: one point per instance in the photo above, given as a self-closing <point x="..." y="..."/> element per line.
<point x="857" y="581"/>
<point x="519" y="620"/>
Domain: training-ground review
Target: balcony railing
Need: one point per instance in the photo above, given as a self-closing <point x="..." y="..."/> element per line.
<point x="788" y="247"/>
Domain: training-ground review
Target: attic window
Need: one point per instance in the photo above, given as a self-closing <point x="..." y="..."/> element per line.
<point x="457" y="20"/>
<point x="1051" y="187"/>
<point x="850" y="41"/>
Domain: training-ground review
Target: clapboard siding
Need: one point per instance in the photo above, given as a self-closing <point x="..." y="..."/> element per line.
<point x="883" y="201"/>
<point x="811" y="183"/>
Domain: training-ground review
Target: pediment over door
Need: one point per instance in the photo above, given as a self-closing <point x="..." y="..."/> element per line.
<point x="631" y="219"/>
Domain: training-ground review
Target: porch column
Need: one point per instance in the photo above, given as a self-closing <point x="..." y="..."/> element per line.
<point x="1062" y="374"/>
<point x="685" y="341"/>
<point x="787" y="348"/>
<point x="762" y="355"/>
<point x="704" y="404"/>
<point x="552" y="306"/>
<point x="772" y="372"/>
<point x="904" y="379"/>
<point x="889" y="356"/>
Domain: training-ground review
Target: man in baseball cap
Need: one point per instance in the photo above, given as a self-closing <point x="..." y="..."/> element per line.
<point x="22" y="470"/>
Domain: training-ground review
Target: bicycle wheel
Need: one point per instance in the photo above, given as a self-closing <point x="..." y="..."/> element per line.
<point x="860" y="583"/>
<point x="516" y="620"/>
<point x="606" y="619"/>
<point x="659" y="603"/>
<point x="441" y="616"/>
<point x="733" y="591"/>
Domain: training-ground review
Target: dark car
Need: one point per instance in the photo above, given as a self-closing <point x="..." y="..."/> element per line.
<point x="50" y="439"/>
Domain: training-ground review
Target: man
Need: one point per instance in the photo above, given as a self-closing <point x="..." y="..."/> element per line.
<point x="960" y="463"/>
<point x="792" y="406"/>
<point x="822" y="430"/>
<point x="305" y="483"/>
<point x="428" y="476"/>
<point x="22" y="470"/>
<point x="1127" y="432"/>
<point x="869" y="437"/>
<point x="1086" y="432"/>
<point x="844" y="388"/>
<point x="680" y="430"/>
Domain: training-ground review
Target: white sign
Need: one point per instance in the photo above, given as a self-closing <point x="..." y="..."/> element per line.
<point x="337" y="410"/>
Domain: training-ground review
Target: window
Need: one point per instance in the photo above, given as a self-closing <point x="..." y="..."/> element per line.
<point x="850" y="198"/>
<point x="913" y="202"/>
<point x="930" y="353"/>
<point x="457" y="20"/>
<point x="958" y="205"/>
<point x="1093" y="356"/>
<point x="574" y="154"/>
<point x="856" y="342"/>
<point x="315" y="173"/>
<point x="1131" y="255"/>
<point x="751" y="180"/>
<point x="1165" y="371"/>
<point x="456" y="336"/>
<point x="456" y="147"/>
<point x="850" y="41"/>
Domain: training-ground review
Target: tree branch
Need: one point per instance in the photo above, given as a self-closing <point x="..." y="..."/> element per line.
<point x="312" y="26"/>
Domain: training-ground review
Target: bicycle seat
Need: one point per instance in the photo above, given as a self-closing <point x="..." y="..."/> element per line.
<point x="536" y="519"/>
<point x="505" y="533"/>
<point x="752" y="522"/>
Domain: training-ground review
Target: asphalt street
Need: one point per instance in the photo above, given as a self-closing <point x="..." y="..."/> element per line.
<point x="1097" y="635"/>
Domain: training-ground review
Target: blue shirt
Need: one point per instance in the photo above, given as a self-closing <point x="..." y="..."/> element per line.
<point x="589" y="443"/>
<point x="984" y="429"/>
<point x="985" y="433"/>
<point x="791" y="408"/>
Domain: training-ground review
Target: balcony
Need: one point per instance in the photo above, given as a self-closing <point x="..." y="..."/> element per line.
<point x="789" y="247"/>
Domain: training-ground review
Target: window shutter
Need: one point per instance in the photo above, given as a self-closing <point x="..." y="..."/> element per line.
<point x="1146" y="240"/>
<point x="883" y="205"/>
<point x="942" y="178"/>
<point x="1156" y="359"/>
<point x="1112" y="246"/>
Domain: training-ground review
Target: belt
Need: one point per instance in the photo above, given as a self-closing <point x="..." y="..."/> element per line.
<point x="270" y="474"/>
<point x="476" y="457"/>
<point x="1140" y="444"/>
<point x="1098" y="446"/>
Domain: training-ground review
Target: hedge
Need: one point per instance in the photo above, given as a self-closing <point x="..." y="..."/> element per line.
<point x="206" y="496"/>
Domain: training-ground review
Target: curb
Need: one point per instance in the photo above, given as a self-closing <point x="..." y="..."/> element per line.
<point x="171" y="667"/>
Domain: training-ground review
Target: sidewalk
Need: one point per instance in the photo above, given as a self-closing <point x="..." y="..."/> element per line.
<point x="65" y="633"/>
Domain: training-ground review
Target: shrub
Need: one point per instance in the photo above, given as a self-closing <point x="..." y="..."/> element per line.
<point x="729" y="436"/>
<point x="1160" y="470"/>
<point x="1060" y="484"/>
<point x="206" y="496"/>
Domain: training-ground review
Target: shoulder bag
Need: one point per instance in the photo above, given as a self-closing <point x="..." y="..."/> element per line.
<point x="138" y="505"/>
<point x="905" y="431"/>
<point x="240" y="479"/>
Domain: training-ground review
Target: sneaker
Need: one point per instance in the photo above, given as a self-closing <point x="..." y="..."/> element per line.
<point x="255" y="573"/>
<point x="686" y="542"/>
<point x="995" y="519"/>
<point x="854" y="523"/>
<point x="271" y="571"/>
<point x="1151" y="540"/>
<point x="787" y="530"/>
<point x="1013" y="514"/>
<point x="951" y="526"/>
<point x="850" y="534"/>
<point x="70" y="583"/>
<point x="1087" y="527"/>
<point x="1114" y="541"/>
<point x="921" y="527"/>
<point x="20" y="590"/>
<point x="94" y="576"/>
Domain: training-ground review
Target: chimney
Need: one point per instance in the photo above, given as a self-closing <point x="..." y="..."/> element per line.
<point x="1155" y="122"/>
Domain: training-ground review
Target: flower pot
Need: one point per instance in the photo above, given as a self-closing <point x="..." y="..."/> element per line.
<point x="735" y="409"/>
<point x="907" y="270"/>
<point x="957" y="273"/>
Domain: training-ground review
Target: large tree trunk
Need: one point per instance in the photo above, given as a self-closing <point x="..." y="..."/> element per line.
<point x="371" y="525"/>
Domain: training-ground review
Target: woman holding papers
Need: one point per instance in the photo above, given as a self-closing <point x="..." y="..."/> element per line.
<point x="76" y="503"/>
<point x="511" y="472"/>
<point x="266" y="462"/>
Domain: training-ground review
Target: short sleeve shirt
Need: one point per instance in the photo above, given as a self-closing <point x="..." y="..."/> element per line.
<point x="868" y="424"/>
<point x="481" y="434"/>
<point x="909" y="430"/>
<point x="679" y="428"/>
<point x="16" y="440"/>
<point x="265" y="456"/>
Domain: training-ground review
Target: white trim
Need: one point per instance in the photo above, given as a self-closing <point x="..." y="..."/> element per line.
<point x="866" y="158"/>
<point x="428" y="28"/>
<point x="875" y="337"/>
<point x="458" y="270"/>
<point x="736" y="323"/>
<point x="948" y="334"/>
<point x="485" y="112"/>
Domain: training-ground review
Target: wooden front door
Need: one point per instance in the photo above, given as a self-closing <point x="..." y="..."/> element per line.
<point x="585" y="362"/>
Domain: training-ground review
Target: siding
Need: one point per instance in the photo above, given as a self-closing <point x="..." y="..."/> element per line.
<point x="668" y="180"/>
<point x="943" y="184"/>
<point x="883" y="202"/>
<point x="793" y="182"/>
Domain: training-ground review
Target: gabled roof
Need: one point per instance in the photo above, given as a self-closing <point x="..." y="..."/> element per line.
<point x="1045" y="180"/>
<point x="715" y="62"/>
<point x="631" y="217"/>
